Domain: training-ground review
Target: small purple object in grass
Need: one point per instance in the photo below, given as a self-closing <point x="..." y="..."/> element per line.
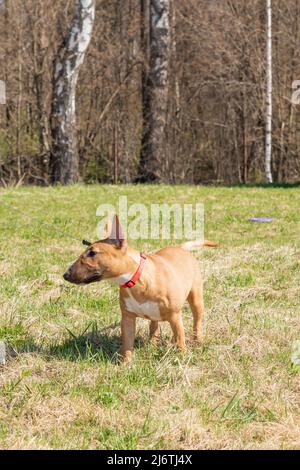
<point x="262" y="219"/>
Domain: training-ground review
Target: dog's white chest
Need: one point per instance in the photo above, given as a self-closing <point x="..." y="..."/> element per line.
<point x="146" y="309"/>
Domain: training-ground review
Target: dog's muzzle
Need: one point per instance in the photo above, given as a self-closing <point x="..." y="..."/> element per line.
<point x="69" y="277"/>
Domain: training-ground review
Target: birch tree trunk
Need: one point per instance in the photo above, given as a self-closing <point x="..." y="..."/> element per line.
<point x="155" y="89"/>
<point x="64" y="155"/>
<point x="268" y="150"/>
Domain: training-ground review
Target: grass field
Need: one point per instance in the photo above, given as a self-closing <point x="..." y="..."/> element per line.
<point x="64" y="388"/>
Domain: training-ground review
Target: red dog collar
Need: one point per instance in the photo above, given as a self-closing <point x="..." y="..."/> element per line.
<point x="137" y="274"/>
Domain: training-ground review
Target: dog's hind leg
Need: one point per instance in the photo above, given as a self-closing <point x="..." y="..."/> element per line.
<point x="154" y="331"/>
<point x="195" y="299"/>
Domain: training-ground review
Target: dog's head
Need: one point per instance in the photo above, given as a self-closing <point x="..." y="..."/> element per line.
<point x="104" y="259"/>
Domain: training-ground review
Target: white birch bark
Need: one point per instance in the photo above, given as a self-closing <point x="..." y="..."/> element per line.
<point x="64" y="156"/>
<point x="269" y="91"/>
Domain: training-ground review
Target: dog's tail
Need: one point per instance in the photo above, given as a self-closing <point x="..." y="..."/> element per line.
<point x="198" y="244"/>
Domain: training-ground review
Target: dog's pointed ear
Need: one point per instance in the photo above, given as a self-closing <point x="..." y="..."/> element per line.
<point x="115" y="234"/>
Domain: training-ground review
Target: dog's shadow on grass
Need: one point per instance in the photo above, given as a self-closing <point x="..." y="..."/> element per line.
<point x="94" y="345"/>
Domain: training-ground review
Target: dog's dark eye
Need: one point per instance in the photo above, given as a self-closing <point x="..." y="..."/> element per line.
<point x="91" y="254"/>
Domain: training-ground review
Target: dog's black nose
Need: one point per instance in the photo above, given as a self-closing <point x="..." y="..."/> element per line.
<point x="66" y="276"/>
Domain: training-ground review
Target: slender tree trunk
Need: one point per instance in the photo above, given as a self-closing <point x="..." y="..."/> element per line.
<point x="245" y="138"/>
<point x="155" y="88"/>
<point x="64" y="155"/>
<point x="174" y="102"/>
<point x="268" y="150"/>
<point x="19" y="103"/>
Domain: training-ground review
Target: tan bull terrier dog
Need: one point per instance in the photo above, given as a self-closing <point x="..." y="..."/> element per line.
<point x="153" y="286"/>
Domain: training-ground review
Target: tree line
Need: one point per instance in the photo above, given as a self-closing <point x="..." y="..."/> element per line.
<point x="174" y="91"/>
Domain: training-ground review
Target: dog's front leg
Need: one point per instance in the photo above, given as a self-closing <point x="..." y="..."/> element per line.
<point x="128" y="323"/>
<point x="178" y="330"/>
<point x="154" y="331"/>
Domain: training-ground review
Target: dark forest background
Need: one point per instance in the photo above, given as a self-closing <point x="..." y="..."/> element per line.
<point x="215" y="126"/>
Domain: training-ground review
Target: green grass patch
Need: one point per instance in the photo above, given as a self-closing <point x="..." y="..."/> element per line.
<point x="66" y="389"/>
